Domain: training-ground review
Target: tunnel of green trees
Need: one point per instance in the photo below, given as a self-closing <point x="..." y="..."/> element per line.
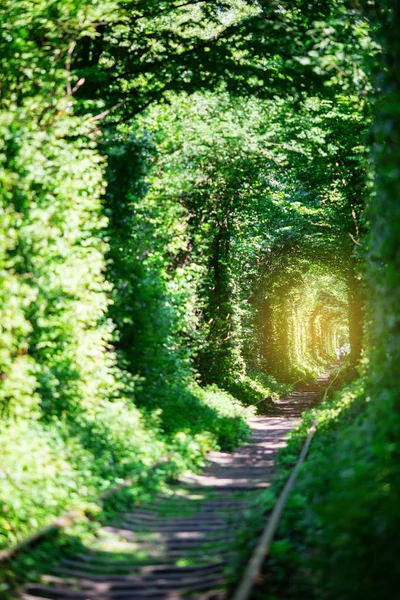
<point x="199" y="206"/>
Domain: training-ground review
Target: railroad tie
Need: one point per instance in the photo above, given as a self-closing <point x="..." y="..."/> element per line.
<point x="183" y="543"/>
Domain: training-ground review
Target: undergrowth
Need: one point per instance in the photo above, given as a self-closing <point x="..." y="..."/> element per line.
<point x="57" y="465"/>
<point x="336" y="538"/>
<point x="83" y="531"/>
<point x="257" y="389"/>
<point x="310" y="535"/>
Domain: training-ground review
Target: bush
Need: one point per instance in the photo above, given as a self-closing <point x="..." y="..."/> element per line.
<point x="340" y="523"/>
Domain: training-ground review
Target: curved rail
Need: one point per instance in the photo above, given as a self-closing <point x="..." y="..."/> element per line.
<point x="253" y="570"/>
<point x="72" y="515"/>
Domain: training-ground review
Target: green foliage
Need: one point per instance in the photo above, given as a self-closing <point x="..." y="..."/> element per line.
<point x="69" y="426"/>
<point x="312" y="303"/>
<point x="51" y="468"/>
<point x="209" y="199"/>
<point x="181" y="226"/>
<point x="342" y="538"/>
<point x="343" y="508"/>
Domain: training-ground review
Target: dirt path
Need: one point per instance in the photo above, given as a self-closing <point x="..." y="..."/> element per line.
<point x="183" y="543"/>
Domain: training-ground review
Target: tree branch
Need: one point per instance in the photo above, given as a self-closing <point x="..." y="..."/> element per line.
<point x="354" y="240"/>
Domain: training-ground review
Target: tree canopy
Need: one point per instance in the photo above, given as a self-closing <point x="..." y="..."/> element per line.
<point x="198" y="206"/>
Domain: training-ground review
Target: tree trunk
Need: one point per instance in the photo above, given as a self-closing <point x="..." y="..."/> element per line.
<point x="355" y="315"/>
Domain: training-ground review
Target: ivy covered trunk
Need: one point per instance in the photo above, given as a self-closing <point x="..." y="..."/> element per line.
<point x="217" y="358"/>
<point x="356" y="314"/>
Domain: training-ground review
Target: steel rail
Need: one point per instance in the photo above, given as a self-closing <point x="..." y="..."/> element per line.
<point x="252" y="572"/>
<point x="72" y="515"/>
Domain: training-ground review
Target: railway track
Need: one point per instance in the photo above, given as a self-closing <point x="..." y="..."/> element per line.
<point x="184" y="542"/>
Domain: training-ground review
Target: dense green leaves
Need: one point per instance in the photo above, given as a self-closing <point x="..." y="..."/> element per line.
<point x="183" y="188"/>
<point x="69" y="427"/>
